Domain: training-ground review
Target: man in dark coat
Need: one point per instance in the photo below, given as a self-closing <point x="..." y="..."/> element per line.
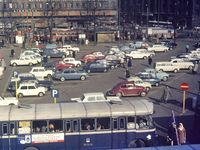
<point x="129" y="63"/>
<point x="150" y="60"/>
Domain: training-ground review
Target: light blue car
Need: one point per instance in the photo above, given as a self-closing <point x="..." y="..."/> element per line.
<point x="70" y="74"/>
<point x="157" y="74"/>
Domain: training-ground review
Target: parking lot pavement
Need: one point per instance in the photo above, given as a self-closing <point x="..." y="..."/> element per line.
<point x="101" y="82"/>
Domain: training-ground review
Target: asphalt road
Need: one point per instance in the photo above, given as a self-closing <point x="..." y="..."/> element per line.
<point x="101" y="82"/>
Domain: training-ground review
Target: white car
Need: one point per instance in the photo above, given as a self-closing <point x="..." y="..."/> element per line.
<point x="30" y="89"/>
<point x="23" y="61"/>
<point x="140" y="54"/>
<point x="181" y="64"/>
<point x="72" y="60"/>
<point x="8" y="101"/>
<point x="72" y="48"/>
<point x="41" y="72"/>
<point x="139" y="82"/>
<point x="64" y="49"/>
<point x="166" y="66"/>
<point x="29" y="52"/>
<point x="158" y="48"/>
<point x="18" y="76"/>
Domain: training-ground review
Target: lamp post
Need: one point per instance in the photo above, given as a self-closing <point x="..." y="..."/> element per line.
<point x="174" y="22"/>
<point x="147" y="18"/>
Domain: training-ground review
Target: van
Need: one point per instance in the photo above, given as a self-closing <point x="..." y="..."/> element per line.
<point x="166" y="66"/>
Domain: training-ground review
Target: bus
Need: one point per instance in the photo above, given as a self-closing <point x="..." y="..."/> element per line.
<point x="63" y="126"/>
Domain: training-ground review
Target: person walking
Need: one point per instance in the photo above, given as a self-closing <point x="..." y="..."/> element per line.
<point x="127" y="73"/>
<point x="195" y="68"/>
<point x="181" y="134"/>
<point x="150" y="60"/>
<point x="12" y="53"/>
<point x="129" y="63"/>
<point x="166" y="94"/>
<point x="172" y="134"/>
<point x="187" y="48"/>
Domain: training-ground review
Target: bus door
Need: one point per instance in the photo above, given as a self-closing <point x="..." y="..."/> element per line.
<point x="119" y="135"/>
<point x="8" y="136"/>
<point x="72" y="134"/>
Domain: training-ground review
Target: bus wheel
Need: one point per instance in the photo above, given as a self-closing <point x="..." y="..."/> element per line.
<point x="132" y="144"/>
<point x="140" y="143"/>
<point x="31" y="148"/>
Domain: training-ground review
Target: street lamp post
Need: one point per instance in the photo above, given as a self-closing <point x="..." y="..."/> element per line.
<point x="147" y="18"/>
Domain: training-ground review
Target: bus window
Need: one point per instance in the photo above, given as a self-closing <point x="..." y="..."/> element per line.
<point x="75" y="124"/>
<point x="131" y="123"/>
<point x="5" y="129"/>
<point x="141" y="121"/>
<point x="115" y="126"/>
<point x="68" y="126"/>
<point x="121" y="123"/>
<point x="103" y="123"/>
<point x="39" y="126"/>
<point x="24" y="127"/>
<point x="55" y="126"/>
<point x="87" y="124"/>
<point x="12" y="129"/>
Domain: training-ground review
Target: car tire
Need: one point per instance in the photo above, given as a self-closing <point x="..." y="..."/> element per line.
<point x="143" y="94"/>
<point x="48" y="56"/>
<point x="148" y="89"/>
<point x="88" y="71"/>
<point x="30" y="64"/>
<point x="112" y="67"/>
<point x="151" y="55"/>
<point x="190" y="67"/>
<point x="145" y="57"/>
<point x="49" y="76"/>
<point x="82" y="78"/>
<point x="78" y="65"/>
<point x="175" y="70"/>
<point x="14" y="64"/>
<point x="20" y="95"/>
<point x="105" y="70"/>
<point x="62" y="79"/>
<point x="31" y="148"/>
<point x="11" y="104"/>
<point x="157" y="84"/>
<point x="63" y="56"/>
<point x="165" y="78"/>
<point x="41" y="94"/>
<point x="161" y="70"/>
<point x="119" y="94"/>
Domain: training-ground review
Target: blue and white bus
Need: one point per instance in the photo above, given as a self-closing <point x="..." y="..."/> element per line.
<point x="84" y="126"/>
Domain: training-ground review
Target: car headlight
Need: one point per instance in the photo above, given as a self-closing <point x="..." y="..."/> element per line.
<point x="148" y="137"/>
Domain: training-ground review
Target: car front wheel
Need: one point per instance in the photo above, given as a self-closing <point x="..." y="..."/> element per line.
<point x="119" y="94"/>
<point x="143" y="94"/>
<point x="157" y="84"/>
<point x="14" y="64"/>
<point x="190" y="68"/>
<point x="30" y="64"/>
<point x="175" y="70"/>
<point x="145" y="57"/>
<point x="165" y="78"/>
<point x="82" y="78"/>
<point x="20" y="95"/>
<point x="62" y="79"/>
<point x="41" y="94"/>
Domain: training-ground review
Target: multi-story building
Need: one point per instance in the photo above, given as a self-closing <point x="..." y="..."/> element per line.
<point x="90" y="15"/>
<point x="181" y="13"/>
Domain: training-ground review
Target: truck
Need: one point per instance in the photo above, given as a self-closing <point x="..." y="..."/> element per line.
<point x="8" y="101"/>
<point x="95" y="97"/>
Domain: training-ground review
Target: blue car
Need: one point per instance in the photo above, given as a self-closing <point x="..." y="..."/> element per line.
<point x="96" y="67"/>
<point x="70" y="74"/>
<point x="149" y="78"/>
<point x="53" y="53"/>
<point x="157" y="74"/>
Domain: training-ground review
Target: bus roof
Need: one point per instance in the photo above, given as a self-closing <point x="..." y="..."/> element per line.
<point x="76" y="110"/>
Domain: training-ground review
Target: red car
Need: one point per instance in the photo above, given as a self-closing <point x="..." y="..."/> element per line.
<point x="127" y="88"/>
<point x="61" y="65"/>
<point x="88" y="58"/>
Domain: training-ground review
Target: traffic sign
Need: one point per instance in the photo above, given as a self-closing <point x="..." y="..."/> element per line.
<point x="184" y="86"/>
<point x="55" y="93"/>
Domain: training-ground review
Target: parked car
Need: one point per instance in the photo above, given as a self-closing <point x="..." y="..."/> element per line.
<point x="95" y="97"/>
<point x="72" y="60"/>
<point x="181" y="64"/>
<point x="149" y="78"/>
<point x="98" y="55"/>
<point x="50" y="65"/>
<point x="157" y="74"/>
<point x="187" y="57"/>
<point x="140" y="54"/>
<point x="70" y="74"/>
<point x="166" y="66"/>
<point x="170" y="44"/>
<point x="112" y="64"/>
<point x="8" y="101"/>
<point x="139" y="82"/>
<point x="53" y="53"/>
<point x="28" y="61"/>
<point x="62" y="65"/>
<point x="41" y="72"/>
<point x="158" y="48"/>
<point x="30" y="89"/>
<point x="72" y="48"/>
<point x="96" y="67"/>
<point x="127" y="88"/>
<point x="88" y="58"/>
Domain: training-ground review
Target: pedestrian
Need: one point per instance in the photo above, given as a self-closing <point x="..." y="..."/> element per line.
<point x="127" y="73"/>
<point x="150" y="60"/>
<point x="187" y="48"/>
<point x="181" y="134"/>
<point x="74" y="54"/>
<point x="166" y="94"/>
<point x="12" y="53"/>
<point x="122" y="62"/>
<point x="172" y="138"/>
<point x="129" y="63"/>
<point x="195" y="68"/>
